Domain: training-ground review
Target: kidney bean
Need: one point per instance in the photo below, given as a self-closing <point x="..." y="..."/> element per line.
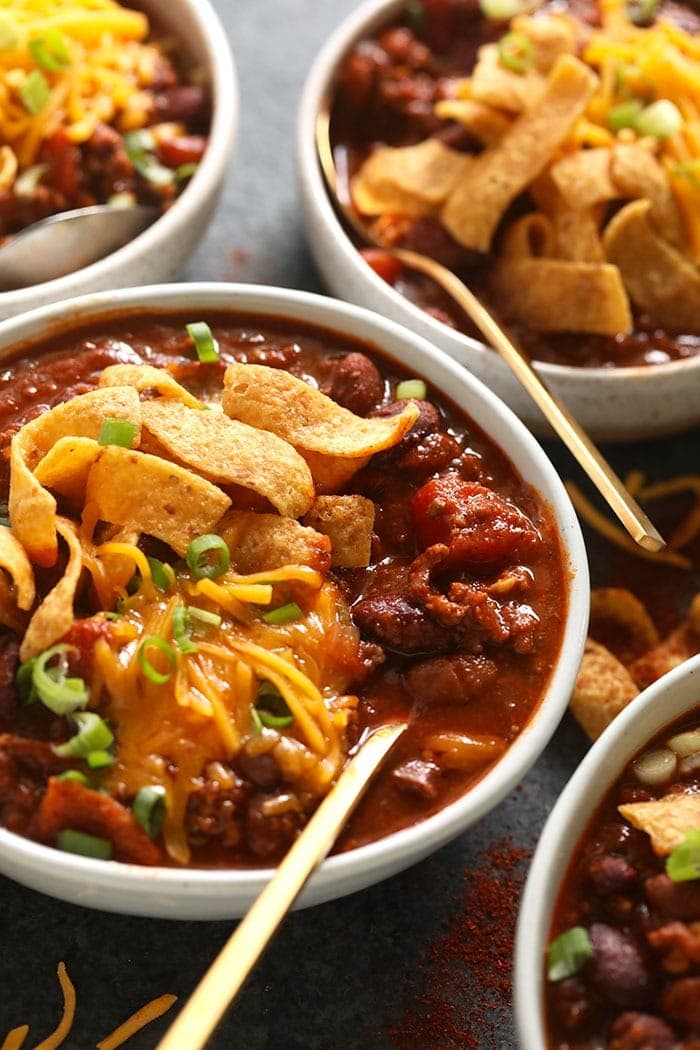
<point x="673" y="900"/>
<point x="450" y="679"/>
<point x="186" y="104"/>
<point x="632" y="1031"/>
<point x="182" y="149"/>
<point x="397" y="624"/>
<point x="619" y="972"/>
<point x="611" y="875"/>
<point x="354" y="382"/>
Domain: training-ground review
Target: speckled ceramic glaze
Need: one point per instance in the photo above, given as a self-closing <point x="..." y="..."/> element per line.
<point x="661" y="704"/>
<point x="192" y="894"/>
<point x="161" y="251"/>
<point x="612" y="404"/>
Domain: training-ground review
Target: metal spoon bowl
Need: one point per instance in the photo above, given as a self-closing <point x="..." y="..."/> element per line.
<point x="64" y="243"/>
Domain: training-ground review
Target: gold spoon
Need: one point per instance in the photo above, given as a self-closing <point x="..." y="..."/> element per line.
<point x="569" y="430"/>
<point x="223" y="979"/>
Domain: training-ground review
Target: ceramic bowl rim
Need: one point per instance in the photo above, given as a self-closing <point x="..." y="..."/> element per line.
<point x="565" y="825"/>
<point x="370" y="15"/>
<point x="25" y="330"/>
<point x="221" y="69"/>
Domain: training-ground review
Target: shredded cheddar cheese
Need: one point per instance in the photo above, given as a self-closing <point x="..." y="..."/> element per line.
<point x="59" y="1035"/>
<point x="15" y="1038"/>
<point x="148" y="1013"/>
<point x="97" y="72"/>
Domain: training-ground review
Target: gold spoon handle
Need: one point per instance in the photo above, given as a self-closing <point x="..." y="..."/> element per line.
<point x="571" y="433"/>
<point x="223" y="979"/>
<point x="574" y="437"/>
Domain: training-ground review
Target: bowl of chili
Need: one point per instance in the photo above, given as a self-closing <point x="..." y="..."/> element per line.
<point x="410" y="121"/>
<point x="228" y="649"/>
<point x="151" y="118"/>
<point x="605" y="949"/>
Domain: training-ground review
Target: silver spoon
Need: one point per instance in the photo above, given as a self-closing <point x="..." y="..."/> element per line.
<point x="66" y="242"/>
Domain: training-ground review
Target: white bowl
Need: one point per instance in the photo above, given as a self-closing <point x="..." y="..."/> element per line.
<point x="667" y="700"/>
<point x="161" y="251"/>
<point x="198" y="894"/>
<point x="615" y="404"/>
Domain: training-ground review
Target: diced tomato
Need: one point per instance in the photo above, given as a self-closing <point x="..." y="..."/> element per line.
<point x="474" y="522"/>
<point x="383" y="264"/>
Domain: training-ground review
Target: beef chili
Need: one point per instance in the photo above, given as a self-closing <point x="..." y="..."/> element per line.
<point x="135" y="126"/>
<point x="624" y="962"/>
<point x="402" y="88"/>
<point x="450" y="610"/>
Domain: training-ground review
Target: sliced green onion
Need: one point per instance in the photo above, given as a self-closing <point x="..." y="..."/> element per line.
<point x="624" y="115"/>
<point x="5" y="514"/>
<point x="74" y="776"/>
<point x="516" y="52"/>
<point x="685" y="744"/>
<point x="155" y="643"/>
<point x="641" y="12"/>
<point x="93" y="735"/>
<point x="569" y="953"/>
<point x="208" y="557"/>
<point x="149" y="809"/>
<point x="60" y="694"/>
<point x="204" y="342"/>
<point x="283" y="614"/>
<point x="99" y="759"/>
<point x="655" y="767"/>
<point x="161" y="573"/>
<point x="25" y="184"/>
<point x="271" y="707"/>
<point x="411" y="388"/>
<point x="119" y="432"/>
<point x="24" y="680"/>
<point x="501" y="10"/>
<point x="141" y="141"/>
<point x="415" y="16"/>
<point x="35" y="92"/>
<point x="50" y="51"/>
<point x="182" y="629"/>
<point x="155" y="173"/>
<point x="71" y="841"/>
<point x="684" y="863"/>
<point x="660" y="120"/>
<point x="185" y="171"/>
<point x="123" y="199"/>
<point x="9" y="37"/>
<point x="204" y="616"/>
<point x="257" y="723"/>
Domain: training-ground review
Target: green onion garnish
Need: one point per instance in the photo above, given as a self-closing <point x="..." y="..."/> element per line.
<point x="684" y="863"/>
<point x="624" y="115"/>
<point x="162" y="574"/>
<point x="50" y="51"/>
<point x="24" y="681"/>
<point x="149" y="809"/>
<point x="119" y="432"/>
<point x="660" y="120"/>
<point x="411" y="388"/>
<point x="99" y="759"/>
<point x="4" y="514"/>
<point x="60" y="694"/>
<point x="74" y="776"/>
<point x="93" y="735"/>
<point x="204" y="342"/>
<point x="516" y="52"/>
<point x="155" y="643"/>
<point x="501" y="10"/>
<point x="569" y="953"/>
<point x="271" y="707"/>
<point x="141" y="141"/>
<point x="208" y="557"/>
<point x="185" y="171"/>
<point x="415" y="16"/>
<point x="71" y="841"/>
<point x="26" y="183"/>
<point x="35" y="92"/>
<point x="257" y="723"/>
<point x="138" y="145"/>
<point x="283" y="614"/>
<point x="204" y="616"/>
<point x="9" y="37"/>
<point x="641" y="12"/>
<point x="182" y="629"/>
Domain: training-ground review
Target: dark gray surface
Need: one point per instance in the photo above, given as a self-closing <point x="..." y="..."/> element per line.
<point x="349" y="973"/>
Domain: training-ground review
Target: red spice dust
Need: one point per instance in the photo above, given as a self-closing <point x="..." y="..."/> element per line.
<point x="475" y="954"/>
